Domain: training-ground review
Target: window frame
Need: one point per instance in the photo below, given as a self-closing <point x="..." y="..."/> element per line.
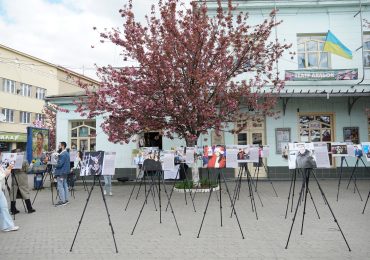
<point x="40" y="93"/>
<point x="26" y="90"/>
<point x="306" y="52"/>
<point x="7" y="112"/>
<point x="25" y="117"/>
<point x="9" y="84"/>
<point x="90" y="139"/>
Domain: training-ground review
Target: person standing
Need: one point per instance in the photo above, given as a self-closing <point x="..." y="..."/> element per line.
<point x="108" y="185"/>
<point x="62" y="170"/>
<point x="20" y="182"/>
<point x="6" y="221"/>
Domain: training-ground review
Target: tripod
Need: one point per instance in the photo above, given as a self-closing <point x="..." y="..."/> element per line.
<point x="158" y="173"/>
<point x="257" y="170"/>
<point x="14" y="181"/>
<point x="353" y="175"/>
<point x="141" y="176"/>
<point x="292" y="182"/>
<point x="342" y="159"/>
<point x="51" y="179"/>
<point x="96" y="178"/>
<point x="219" y="173"/>
<point x="304" y="191"/>
<point x="366" y="202"/>
<point x="187" y="181"/>
<point x="243" y="170"/>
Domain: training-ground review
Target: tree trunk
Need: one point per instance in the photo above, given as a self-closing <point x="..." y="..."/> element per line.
<point x="194" y="167"/>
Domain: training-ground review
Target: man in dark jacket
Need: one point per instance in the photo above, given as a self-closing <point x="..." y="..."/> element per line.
<point x="62" y="170"/>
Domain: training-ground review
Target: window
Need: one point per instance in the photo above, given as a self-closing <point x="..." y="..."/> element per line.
<point x="83" y="135"/>
<point x="316" y="128"/>
<point x="39" y="118"/>
<point x="9" y="115"/>
<point x="311" y="54"/>
<point x="9" y="86"/>
<point x="366" y="47"/>
<point x="40" y="93"/>
<point x="25" y="90"/>
<point x="25" y="117"/>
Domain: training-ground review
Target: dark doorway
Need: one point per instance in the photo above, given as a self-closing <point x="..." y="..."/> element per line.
<point x="153" y="139"/>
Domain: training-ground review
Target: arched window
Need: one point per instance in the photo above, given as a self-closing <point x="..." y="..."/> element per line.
<point x="83" y="135"/>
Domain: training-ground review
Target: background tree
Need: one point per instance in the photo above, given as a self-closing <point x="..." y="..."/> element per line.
<point x="194" y="72"/>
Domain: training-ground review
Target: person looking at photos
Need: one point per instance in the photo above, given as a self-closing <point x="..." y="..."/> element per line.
<point x="20" y="183"/>
<point x="62" y="170"/>
<point x="6" y="221"/>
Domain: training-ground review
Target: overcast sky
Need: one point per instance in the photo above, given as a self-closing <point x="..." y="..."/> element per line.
<point x="60" y="31"/>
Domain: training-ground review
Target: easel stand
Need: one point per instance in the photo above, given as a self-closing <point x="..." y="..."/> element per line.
<point x="342" y="159"/>
<point x="141" y="176"/>
<point x="51" y="178"/>
<point x="257" y="170"/>
<point x="219" y="173"/>
<point x="366" y="202"/>
<point x="304" y="192"/>
<point x="187" y="180"/>
<point x="84" y="183"/>
<point x="353" y="175"/>
<point x="96" y="179"/>
<point x="243" y="170"/>
<point x="293" y="180"/>
<point x="14" y="181"/>
<point x="152" y="183"/>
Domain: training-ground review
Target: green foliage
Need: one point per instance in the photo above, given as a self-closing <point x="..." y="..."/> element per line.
<point x="205" y="183"/>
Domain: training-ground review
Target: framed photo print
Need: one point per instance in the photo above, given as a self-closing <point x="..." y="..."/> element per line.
<point x="282" y="137"/>
<point x="351" y="134"/>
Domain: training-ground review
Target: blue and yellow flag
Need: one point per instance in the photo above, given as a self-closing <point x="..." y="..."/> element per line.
<point x="333" y="45"/>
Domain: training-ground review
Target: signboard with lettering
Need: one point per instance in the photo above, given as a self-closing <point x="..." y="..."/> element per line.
<point x="13" y="137"/>
<point x="303" y="75"/>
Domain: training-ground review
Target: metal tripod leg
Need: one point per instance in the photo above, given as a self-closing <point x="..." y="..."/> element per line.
<point x="366" y="202"/>
<point x="290" y="191"/>
<point x="341" y="172"/>
<point x="295" y="213"/>
<point x="172" y="211"/>
<point x="331" y="211"/>
<point x="353" y="175"/>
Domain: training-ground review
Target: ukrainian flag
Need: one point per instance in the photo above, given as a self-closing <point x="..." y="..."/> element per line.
<point x="333" y="45"/>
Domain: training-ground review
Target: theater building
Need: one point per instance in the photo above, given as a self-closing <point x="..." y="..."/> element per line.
<point x="326" y="97"/>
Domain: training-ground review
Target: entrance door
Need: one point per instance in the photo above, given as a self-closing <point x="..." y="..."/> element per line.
<point x="253" y="133"/>
<point x="253" y="137"/>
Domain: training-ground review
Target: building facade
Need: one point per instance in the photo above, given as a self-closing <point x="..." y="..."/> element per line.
<point x="326" y="97"/>
<point x="24" y="82"/>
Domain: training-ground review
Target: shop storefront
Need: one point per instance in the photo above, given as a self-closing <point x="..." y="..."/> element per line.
<point x="9" y="141"/>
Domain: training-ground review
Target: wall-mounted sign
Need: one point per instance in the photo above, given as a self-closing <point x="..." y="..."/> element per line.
<point x="13" y="137"/>
<point x="305" y="75"/>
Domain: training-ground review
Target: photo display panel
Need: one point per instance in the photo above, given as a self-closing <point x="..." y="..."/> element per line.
<point x="366" y="150"/>
<point x="339" y="149"/>
<point x="301" y="155"/>
<point x="92" y="163"/>
<point x="109" y="163"/>
<point x="214" y="156"/>
<point x="232" y="156"/>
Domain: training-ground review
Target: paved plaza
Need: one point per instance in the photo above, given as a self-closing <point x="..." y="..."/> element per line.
<point x="48" y="233"/>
